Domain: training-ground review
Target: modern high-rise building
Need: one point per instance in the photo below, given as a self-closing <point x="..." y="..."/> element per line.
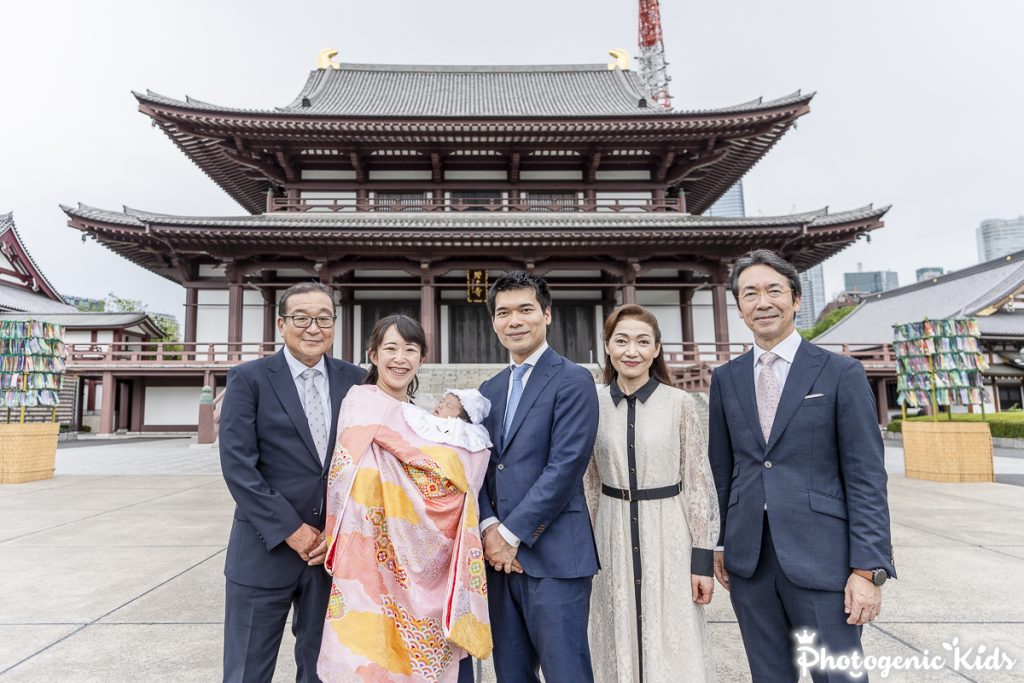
<point x="928" y="273"/>
<point x="812" y="301"/>
<point x="730" y="204"/>
<point x="998" y="237"/>
<point x="870" y="281"/>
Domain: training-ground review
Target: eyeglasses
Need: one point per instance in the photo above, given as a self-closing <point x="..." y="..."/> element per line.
<point x="771" y="293"/>
<point x="324" y="322"/>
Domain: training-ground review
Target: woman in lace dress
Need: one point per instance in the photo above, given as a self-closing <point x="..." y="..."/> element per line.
<point x="656" y="516"/>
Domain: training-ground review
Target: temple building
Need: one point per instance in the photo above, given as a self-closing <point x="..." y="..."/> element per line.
<point x="23" y="287"/>
<point x="409" y="188"/>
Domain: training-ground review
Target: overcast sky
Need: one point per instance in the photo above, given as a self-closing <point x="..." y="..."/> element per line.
<point x="919" y="104"/>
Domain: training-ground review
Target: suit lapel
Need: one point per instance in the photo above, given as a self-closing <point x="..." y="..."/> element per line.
<point x="496" y="392"/>
<point x="284" y="386"/>
<point x="539" y="378"/>
<point x="806" y="367"/>
<point x="743" y="385"/>
<point x="339" y="386"/>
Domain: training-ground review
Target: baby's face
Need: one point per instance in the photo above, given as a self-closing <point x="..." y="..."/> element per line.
<point x="448" y="406"/>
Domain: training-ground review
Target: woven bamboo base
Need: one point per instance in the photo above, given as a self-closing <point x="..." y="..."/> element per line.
<point x="948" y="451"/>
<point x="27" y="451"/>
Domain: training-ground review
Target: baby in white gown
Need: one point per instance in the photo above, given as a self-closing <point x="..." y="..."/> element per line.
<point x="456" y="420"/>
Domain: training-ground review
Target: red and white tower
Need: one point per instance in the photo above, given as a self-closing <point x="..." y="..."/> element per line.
<point x="652" y="54"/>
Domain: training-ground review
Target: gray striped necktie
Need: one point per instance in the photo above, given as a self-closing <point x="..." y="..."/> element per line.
<point x="315" y="413"/>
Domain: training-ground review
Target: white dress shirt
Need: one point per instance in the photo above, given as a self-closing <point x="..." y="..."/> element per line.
<point x="786" y="352"/>
<point x="531" y="360"/>
<point x="320" y="381"/>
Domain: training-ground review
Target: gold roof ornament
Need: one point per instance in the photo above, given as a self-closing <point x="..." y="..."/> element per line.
<point x="621" y="59"/>
<point x="324" y="57"/>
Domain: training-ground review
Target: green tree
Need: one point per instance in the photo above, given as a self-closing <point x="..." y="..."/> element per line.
<point x="117" y="304"/>
<point x="828" y="321"/>
<point x="168" y="324"/>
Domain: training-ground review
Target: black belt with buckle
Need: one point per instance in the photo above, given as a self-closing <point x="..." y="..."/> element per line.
<point x="642" y="494"/>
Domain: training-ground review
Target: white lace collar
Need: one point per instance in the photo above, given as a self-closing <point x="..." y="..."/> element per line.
<point x="450" y="430"/>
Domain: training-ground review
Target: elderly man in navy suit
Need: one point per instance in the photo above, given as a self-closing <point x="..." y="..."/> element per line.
<point x="537" y="536"/>
<point x="798" y="462"/>
<point x="276" y="438"/>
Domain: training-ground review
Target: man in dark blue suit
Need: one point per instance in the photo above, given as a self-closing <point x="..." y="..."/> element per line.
<point x="277" y="429"/>
<point x="537" y="536"/>
<point x="798" y="461"/>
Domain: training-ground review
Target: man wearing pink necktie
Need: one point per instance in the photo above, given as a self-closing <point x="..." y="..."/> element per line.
<point x="798" y="461"/>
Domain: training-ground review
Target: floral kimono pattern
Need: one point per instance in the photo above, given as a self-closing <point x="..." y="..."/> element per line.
<point x="409" y="594"/>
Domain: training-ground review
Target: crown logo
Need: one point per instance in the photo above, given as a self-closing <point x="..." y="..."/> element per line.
<point x="805" y="637"/>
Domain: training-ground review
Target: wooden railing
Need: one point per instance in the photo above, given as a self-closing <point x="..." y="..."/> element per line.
<point x="94" y="355"/>
<point x="690" y="362"/>
<point x="483" y="204"/>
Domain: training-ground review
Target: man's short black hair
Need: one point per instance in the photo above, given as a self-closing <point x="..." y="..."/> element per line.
<point x="302" y="288"/>
<point x="519" y="279"/>
<point x="765" y="257"/>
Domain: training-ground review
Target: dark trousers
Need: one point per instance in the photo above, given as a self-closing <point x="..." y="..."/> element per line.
<point x="770" y="607"/>
<point x="254" y="622"/>
<point x="539" y="624"/>
<point x="466" y="670"/>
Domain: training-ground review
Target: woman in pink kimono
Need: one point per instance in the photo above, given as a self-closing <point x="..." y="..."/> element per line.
<point x="409" y="595"/>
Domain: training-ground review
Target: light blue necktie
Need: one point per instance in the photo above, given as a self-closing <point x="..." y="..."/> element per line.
<point x="518" y="372"/>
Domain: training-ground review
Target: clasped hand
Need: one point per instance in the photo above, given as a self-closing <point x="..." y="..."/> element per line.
<point x="499" y="553"/>
<point x="309" y="543"/>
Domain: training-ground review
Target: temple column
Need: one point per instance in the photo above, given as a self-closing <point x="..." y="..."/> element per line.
<point x="347" y="320"/>
<point x="269" y="318"/>
<point x="123" y="404"/>
<point x="629" y="283"/>
<point x="882" y="402"/>
<point x="686" y="316"/>
<point x="191" y="321"/>
<point x="80" y="393"/>
<point x="720" y="308"/>
<point x="607" y="297"/>
<point x="428" y="312"/>
<point x="138" y="394"/>
<point x="107" y="409"/>
<point x="236" y="300"/>
<point x="658" y="199"/>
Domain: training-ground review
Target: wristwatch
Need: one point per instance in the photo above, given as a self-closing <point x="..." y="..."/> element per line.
<point x="875" y="576"/>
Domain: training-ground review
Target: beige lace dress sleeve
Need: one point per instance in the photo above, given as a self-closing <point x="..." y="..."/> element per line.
<point x="699" y="495"/>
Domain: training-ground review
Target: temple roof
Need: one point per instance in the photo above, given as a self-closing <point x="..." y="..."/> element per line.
<point x="24" y="287"/>
<point x="980" y="291"/>
<point x="95" y="320"/>
<point x="161" y="242"/>
<point x="422" y="91"/>
<point x="363" y="118"/>
<point x="23" y="300"/>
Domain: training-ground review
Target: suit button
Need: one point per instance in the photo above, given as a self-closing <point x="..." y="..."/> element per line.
<point x="501" y="467"/>
<point x="325" y="476"/>
<point x="767" y="464"/>
<point x="492" y="503"/>
<point x="316" y="511"/>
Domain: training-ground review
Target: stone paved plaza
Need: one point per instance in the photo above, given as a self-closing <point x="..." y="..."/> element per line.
<point x="111" y="571"/>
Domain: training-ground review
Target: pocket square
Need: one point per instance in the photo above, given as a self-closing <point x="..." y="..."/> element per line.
<point x="813" y="396"/>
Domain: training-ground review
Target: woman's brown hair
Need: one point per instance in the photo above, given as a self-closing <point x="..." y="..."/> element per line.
<point x="659" y="369"/>
<point x="408" y="329"/>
